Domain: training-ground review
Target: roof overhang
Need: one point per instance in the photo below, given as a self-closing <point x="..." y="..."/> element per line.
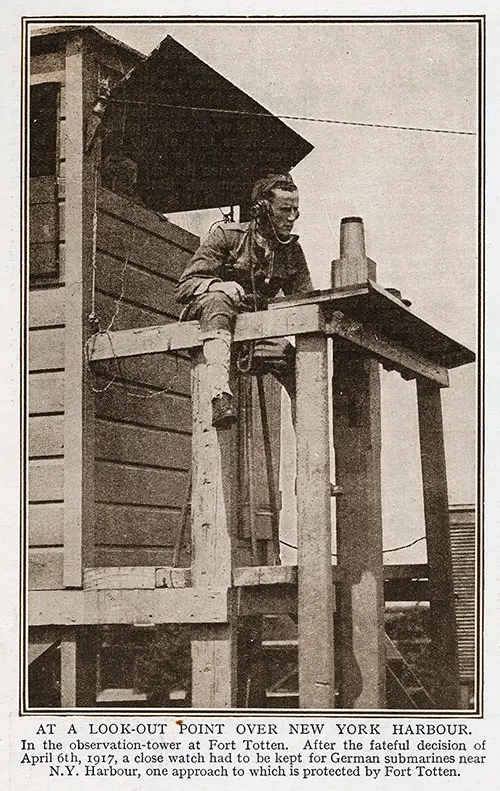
<point x="198" y="140"/>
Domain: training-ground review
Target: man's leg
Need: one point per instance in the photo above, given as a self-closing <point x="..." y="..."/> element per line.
<point x="277" y="357"/>
<point x="216" y="313"/>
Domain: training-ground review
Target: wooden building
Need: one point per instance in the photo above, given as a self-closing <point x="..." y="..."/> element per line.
<point x="466" y="564"/>
<point x="110" y="448"/>
<point x="118" y="420"/>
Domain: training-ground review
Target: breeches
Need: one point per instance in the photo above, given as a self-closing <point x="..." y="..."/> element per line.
<point x="217" y="312"/>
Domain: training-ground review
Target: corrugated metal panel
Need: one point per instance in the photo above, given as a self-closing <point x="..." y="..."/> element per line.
<point x="463" y="548"/>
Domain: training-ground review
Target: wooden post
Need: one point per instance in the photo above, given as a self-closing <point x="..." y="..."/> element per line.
<point x="78" y="668"/>
<point x="315" y="591"/>
<point x="360" y="604"/>
<point x="213" y="649"/>
<point x="357" y="441"/>
<point x="78" y="398"/>
<point x="437" y="523"/>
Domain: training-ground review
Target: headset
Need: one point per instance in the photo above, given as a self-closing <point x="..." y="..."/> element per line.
<point x="261" y="211"/>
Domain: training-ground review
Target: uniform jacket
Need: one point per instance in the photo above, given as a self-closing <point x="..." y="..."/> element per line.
<point x="236" y="251"/>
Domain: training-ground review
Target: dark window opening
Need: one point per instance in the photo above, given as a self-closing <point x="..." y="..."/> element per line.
<point x="43" y="191"/>
<point x="44" y="101"/>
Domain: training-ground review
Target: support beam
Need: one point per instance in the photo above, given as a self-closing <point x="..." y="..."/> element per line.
<point x="68" y="669"/>
<point x="187" y="335"/>
<point x="140" y="607"/>
<point x="391" y="353"/>
<point x="437" y="523"/>
<point x="357" y="441"/>
<point x="78" y="668"/>
<point x="78" y="396"/>
<point x="315" y="592"/>
<point x="213" y="652"/>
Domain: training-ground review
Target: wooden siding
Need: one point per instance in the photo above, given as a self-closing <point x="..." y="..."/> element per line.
<point x="464" y="559"/>
<point x="47" y="351"/>
<point x="143" y="419"/>
<point x="46" y="438"/>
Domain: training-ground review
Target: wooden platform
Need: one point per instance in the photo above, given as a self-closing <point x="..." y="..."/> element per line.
<point x="367" y="316"/>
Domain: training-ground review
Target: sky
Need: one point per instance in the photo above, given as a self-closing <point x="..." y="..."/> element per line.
<point x="416" y="192"/>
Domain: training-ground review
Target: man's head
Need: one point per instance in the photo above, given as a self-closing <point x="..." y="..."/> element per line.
<point x="280" y="207"/>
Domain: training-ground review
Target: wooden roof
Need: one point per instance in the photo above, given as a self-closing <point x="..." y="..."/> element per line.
<point x="199" y="141"/>
<point x="203" y="157"/>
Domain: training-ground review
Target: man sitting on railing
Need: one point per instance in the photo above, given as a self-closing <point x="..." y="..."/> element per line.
<point x="239" y="267"/>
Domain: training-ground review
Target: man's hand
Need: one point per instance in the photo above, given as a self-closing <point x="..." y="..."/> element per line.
<point x="233" y="290"/>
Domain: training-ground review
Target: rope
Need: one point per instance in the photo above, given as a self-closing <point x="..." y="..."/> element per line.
<point x="93" y="318"/>
<point x="294" y="117"/>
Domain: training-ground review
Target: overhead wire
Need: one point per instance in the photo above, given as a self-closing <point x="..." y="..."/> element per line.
<point x="283" y="117"/>
<point x="384" y="551"/>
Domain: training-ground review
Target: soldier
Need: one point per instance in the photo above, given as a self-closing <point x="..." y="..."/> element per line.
<point x="239" y="267"/>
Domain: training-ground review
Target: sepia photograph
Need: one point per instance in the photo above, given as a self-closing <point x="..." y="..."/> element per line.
<point x="252" y="365"/>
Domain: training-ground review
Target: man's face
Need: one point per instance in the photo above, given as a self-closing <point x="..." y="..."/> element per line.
<point x="284" y="211"/>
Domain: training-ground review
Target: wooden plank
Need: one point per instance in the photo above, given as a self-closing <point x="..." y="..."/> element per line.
<point x="46" y="392"/>
<point x="149" y="220"/>
<point x="46" y="307"/>
<point x="211" y="530"/>
<point x="45" y="569"/>
<point x="46" y="435"/>
<point x="169" y="577"/>
<point x="139" y="607"/>
<point x="42" y="190"/>
<point x="388" y="351"/>
<point x="45" y="524"/>
<point x="246" y="576"/>
<point x="43" y="223"/>
<point x="439" y="556"/>
<point x="165" y="371"/>
<point x="124" y="240"/>
<point x="280" y="575"/>
<point x="264" y="575"/>
<point x="46" y="480"/>
<point x="145" y="288"/>
<point x="136" y="526"/>
<point x="46" y="349"/>
<point x="405" y="571"/>
<point x="214" y="668"/>
<point x="126" y="316"/>
<point x="118" y="556"/>
<point x="163" y="411"/>
<point x="320" y="296"/>
<point x="110" y="578"/>
<point x="78" y="398"/>
<point x="46" y="63"/>
<point x="68" y="669"/>
<point x="123" y="483"/>
<point x="314" y="544"/>
<point x="167" y="337"/>
<point x="214" y="657"/>
<point x="275" y="599"/>
<point x="357" y="441"/>
<point x="36" y="78"/>
<point x="134" y="444"/>
<point x="42" y="260"/>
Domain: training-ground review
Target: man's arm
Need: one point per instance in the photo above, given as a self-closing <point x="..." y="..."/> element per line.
<point x="204" y="268"/>
<point x="299" y="281"/>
